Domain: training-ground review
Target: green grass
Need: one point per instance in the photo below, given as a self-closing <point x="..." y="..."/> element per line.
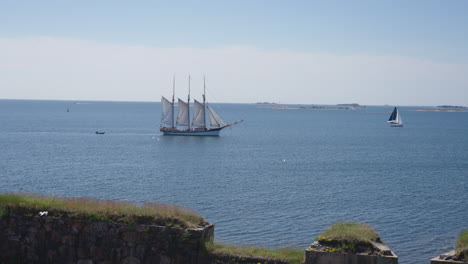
<point x="101" y="210"/>
<point x="462" y="245"/>
<point x="292" y="255"/>
<point x="349" y="232"/>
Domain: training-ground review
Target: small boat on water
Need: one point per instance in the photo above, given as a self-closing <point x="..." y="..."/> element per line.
<point x="100" y="132"/>
<point x="182" y="126"/>
<point x="395" y="119"/>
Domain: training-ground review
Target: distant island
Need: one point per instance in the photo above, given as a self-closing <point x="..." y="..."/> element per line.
<point x="339" y="107"/>
<point x="452" y="107"/>
<point x="445" y="108"/>
<point x="315" y="107"/>
<point x="354" y="105"/>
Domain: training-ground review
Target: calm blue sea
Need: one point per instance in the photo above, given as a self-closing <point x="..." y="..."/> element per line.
<point x="277" y="179"/>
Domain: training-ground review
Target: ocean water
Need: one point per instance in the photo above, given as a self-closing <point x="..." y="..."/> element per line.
<point x="277" y="179"/>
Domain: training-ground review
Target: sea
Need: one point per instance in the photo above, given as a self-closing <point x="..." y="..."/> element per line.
<point x="278" y="179"/>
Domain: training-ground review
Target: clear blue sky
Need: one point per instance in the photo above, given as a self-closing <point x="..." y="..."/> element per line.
<point x="424" y="30"/>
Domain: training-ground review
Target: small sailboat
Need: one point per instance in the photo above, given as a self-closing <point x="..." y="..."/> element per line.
<point x="395" y="119"/>
<point x="182" y="126"/>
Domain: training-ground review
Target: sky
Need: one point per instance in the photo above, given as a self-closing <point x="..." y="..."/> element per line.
<point x="395" y="52"/>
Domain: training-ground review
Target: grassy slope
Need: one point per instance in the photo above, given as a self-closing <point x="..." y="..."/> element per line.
<point x="101" y="210"/>
<point x="292" y="255"/>
<point x="462" y="245"/>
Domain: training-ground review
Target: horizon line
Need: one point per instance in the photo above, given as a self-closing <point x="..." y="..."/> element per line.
<point x="260" y="102"/>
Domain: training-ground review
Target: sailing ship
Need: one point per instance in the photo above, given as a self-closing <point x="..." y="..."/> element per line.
<point x="395" y="119"/>
<point x="182" y="126"/>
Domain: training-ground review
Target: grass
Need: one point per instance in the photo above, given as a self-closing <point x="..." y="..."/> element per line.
<point x="292" y="255"/>
<point x="350" y="232"/>
<point x="462" y="245"/>
<point x="101" y="210"/>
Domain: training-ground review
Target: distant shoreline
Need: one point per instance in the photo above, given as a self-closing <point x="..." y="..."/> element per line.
<point x="440" y="110"/>
<point x="284" y="107"/>
<point x="445" y="108"/>
<point x="353" y="106"/>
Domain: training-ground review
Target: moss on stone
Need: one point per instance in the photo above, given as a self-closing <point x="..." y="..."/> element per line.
<point x="351" y="232"/>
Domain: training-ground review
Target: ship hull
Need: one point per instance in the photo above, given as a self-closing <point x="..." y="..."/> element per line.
<point x="209" y="132"/>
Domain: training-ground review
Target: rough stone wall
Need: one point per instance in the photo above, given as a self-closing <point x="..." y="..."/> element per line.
<point x="34" y="239"/>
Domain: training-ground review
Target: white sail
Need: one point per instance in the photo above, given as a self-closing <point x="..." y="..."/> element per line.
<point x="167" y="113"/>
<point x="215" y="119"/>
<point x="183" y="114"/>
<point x="198" y="114"/>
<point x="398" y="119"/>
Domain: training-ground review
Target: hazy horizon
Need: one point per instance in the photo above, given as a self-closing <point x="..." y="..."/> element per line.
<point x="259" y="102"/>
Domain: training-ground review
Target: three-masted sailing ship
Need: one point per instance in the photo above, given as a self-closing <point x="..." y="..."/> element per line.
<point x="395" y="119"/>
<point x="182" y="125"/>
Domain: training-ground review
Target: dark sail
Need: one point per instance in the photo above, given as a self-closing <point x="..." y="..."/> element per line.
<point x="394" y="115"/>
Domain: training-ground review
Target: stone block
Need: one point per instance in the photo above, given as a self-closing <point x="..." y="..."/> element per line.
<point x="96" y="253"/>
<point x="51" y="255"/>
<point x="140" y="251"/>
<point x="142" y="228"/>
<point x="113" y="231"/>
<point x="321" y="257"/>
<point x="165" y="260"/>
<point x="131" y="260"/>
<point x="69" y="240"/>
<point x="55" y="236"/>
<point x="447" y="258"/>
<point x="85" y="261"/>
<point x="99" y="229"/>
<point x="67" y="253"/>
<point x="82" y="253"/>
<point x="130" y="237"/>
<point x="75" y="230"/>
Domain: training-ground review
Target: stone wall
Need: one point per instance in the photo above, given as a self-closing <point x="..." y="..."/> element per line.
<point x="35" y="239"/>
<point x="318" y="257"/>
<point x="38" y="240"/>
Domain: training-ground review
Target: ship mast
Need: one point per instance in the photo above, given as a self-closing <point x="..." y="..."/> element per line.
<point x="204" y="93"/>
<point x="188" y="102"/>
<point x="173" y="92"/>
